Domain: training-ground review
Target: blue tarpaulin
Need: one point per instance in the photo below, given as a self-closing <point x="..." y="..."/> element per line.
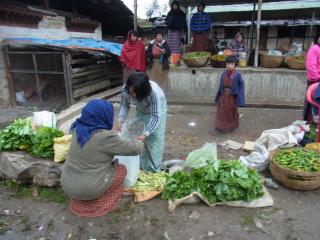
<point x="80" y="43"/>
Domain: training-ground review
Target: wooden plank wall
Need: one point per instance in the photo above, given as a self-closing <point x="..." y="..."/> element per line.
<point x="91" y="74"/>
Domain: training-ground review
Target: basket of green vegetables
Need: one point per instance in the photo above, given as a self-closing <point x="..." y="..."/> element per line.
<point x="196" y="59"/>
<point x="296" y="168"/>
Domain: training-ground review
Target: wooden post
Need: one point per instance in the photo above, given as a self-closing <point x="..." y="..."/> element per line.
<point x="256" y="53"/>
<point x="12" y="96"/>
<point x="311" y="28"/>
<point x="35" y="65"/>
<point x="252" y="26"/>
<point x="188" y="21"/>
<point x="135" y="6"/>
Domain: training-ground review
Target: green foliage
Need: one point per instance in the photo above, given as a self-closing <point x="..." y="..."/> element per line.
<point x="178" y="185"/>
<point x="16" y="136"/>
<point x="221" y="182"/>
<point x="299" y="159"/>
<point x="42" y="142"/>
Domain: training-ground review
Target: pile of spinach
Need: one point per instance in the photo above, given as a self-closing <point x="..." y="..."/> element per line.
<point x="42" y="142"/>
<point x="221" y="182"/>
<point x="16" y="136"/>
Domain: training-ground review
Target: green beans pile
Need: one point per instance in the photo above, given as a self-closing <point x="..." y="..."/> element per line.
<point x="299" y="159"/>
<point x="150" y="181"/>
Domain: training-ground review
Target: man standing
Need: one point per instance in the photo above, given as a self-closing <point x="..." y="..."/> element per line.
<point x="200" y="26"/>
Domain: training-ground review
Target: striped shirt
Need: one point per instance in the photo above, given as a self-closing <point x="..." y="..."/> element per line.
<point x="200" y="22"/>
<point x="152" y="105"/>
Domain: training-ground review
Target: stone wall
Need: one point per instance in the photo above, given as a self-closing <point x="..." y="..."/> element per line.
<point x="263" y="86"/>
<point x="50" y="27"/>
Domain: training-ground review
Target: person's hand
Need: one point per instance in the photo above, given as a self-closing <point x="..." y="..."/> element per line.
<point x="141" y="138"/>
<point x="118" y="126"/>
<point x="163" y="51"/>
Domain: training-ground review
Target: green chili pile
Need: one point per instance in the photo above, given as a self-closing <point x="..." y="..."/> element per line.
<point x="299" y="159"/>
<point x="196" y="55"/>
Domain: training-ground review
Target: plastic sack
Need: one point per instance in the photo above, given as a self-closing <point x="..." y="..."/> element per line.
<point x="295" y="50"/>
<point x="45" y="119"/>
<point x="131" y="129"/>
<point x="265" y="201"/>
<point x="274" y="52"/>
<point x="203" y="156"/>
<point x="132" y="164"/>
<point x="61" y="147"/>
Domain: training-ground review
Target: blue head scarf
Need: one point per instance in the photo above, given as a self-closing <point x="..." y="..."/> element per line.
<point x="95" y="116"/>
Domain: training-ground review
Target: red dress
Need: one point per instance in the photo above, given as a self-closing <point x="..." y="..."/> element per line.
<point x="227" y="117"/>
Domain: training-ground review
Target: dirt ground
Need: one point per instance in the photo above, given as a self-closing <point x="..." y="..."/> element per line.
<point x="295" y="215"/>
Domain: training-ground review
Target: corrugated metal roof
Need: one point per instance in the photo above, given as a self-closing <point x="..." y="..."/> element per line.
<point x="73" y="43"/>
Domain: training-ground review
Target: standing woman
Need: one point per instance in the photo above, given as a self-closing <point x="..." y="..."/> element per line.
<point x="238" y="45"/>
<point x="158" y="53"/>
<point x="177" y="25"/>
<point x="133" y="56"/>
<point x="313" y="72"/>
<point x="200" y="25"/>
<point x="151" y="108"/>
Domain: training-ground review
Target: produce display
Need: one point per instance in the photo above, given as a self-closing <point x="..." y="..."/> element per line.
<point x="298" y="58"/>
<point x="196" y="55"/>
<point x="221" y="182"/>
<point x="299" y="159"/>
<point x="219" y="58"/>
<point x="150" y="181"/>
<point x="16" y="136"/>
<point x="42" y="142"/>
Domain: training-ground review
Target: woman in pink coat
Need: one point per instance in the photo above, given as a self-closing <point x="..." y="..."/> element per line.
<point x="313" y="72"/>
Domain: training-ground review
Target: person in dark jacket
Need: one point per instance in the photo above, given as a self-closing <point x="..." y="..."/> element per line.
<point x="177" y="26"/>
<point x="200" y="25"/>
<point x="158" y="53"/>
<point x="230" y="96"/>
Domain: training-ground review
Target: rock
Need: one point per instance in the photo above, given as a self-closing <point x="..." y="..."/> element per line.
<point x="210" y="234"/>
<point x="23" y="168"/>
<point x="194" y="215"/>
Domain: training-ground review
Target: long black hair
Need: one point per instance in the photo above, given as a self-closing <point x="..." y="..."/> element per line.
<point x="140" y="83"/>
<point x="175" y="2"/>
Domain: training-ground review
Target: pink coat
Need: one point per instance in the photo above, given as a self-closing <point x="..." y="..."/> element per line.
<point x="313" y="63"/>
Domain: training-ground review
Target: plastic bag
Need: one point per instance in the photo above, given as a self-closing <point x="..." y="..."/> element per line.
<point x="295" y="50"/>
<point x="132" y="164"/>
<point x="45" y="119"/>
<point x="61" y="147"/>
<point x="265" y="201"/>
<point x="203" y="156"/>
<point x="274" y="52"/>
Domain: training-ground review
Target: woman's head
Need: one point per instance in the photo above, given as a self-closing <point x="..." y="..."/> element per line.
<point x="138" y="86"/>
<point x="231" y="63"/>
<point x="175" y="5"/>
<point x="95" y="116"/>
<point x="239" y="37"/>
<point x="133" y="36"/>
<point x="158" y="36"/>
<point x="317" y="39"/>
<point x="201" y="7"/>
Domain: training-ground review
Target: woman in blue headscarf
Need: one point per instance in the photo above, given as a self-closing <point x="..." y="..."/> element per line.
<point x="90" y="177"/>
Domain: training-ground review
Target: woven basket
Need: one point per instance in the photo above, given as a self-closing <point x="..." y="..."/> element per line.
<point x="293" y="179"/>
<point x="218" y="64"/>
<point x="270" y="61"/>
<point x="196" y="62"/>
<point x="294" y="64"/>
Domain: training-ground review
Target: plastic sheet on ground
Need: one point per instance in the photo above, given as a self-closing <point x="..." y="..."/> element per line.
<point x="195" y="197"/>
<point x="271" y="140"/>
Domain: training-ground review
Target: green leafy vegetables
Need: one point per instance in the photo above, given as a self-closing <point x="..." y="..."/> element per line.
<point x="221" y="182"/>
<point x="20" y="136"/>
<point x="299" y="159"/>
<point x="16" y="136"/>
<point x="196" y="55"/>
<point x="42" y="142"/>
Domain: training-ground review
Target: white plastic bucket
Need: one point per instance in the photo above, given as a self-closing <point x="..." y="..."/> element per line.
<point x="132" y="164"/>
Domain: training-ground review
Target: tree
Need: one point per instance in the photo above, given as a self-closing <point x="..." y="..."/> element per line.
<point x="153" y="8"/>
